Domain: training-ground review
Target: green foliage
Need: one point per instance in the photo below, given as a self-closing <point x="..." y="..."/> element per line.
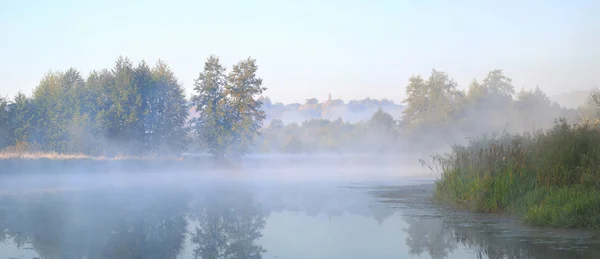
<point x="128" y="109"/>
<point x="590" y="110"/>
<point x="166" y="112"/>
<point x="5" y="131"/>
<point x="210" y="102"/>
<point x="433" y="100"/>
<point x="244" y="109"/>
<point x="438" y="114"/>
<point x="498" y="85"/>
<point x="569" y="207"/>
<point x="378" y="134"/>
<point x="21" y="114"/>
<point x="230" y="111"/>
<point x="551" y="177"/>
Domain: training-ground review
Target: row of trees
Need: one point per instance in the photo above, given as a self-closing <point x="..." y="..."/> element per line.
<point x="143" y="110"/>
<point x="135" y="110"/>
<point x="130" y="109"/>
<point x="437" y="111"/>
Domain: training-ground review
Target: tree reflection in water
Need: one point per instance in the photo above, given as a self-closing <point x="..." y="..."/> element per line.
<point x="229" y="224"/>
<point x="224" y="222"/>
<point x="140" y="223"/>
<point x="93" y="224"/>
<point x="439" y="238"/>
<point x="429" y="235"/>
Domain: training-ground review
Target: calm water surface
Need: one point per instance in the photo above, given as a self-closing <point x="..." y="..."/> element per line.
<point x="263" y="220"/>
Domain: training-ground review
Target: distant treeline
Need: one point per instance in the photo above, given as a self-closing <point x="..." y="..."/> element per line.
<point x="352" y="111"/>
<point x="436" y="115"/>
<point x="142" y="110"/>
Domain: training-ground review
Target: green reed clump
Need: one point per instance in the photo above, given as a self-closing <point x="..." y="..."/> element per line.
<point x="550" y="177"/>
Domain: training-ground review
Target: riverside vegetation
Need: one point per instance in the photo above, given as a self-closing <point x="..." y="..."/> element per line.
<point x="550" y="178"/>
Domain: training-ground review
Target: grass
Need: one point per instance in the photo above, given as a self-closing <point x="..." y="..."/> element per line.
<point x="60" y="156"/>
<point x="549" y="178"/>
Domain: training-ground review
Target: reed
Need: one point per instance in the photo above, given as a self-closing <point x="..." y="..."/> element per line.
<point x="551" y="178"/>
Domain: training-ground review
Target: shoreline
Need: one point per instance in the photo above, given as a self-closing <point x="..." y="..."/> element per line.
<point x="421" y="196"/>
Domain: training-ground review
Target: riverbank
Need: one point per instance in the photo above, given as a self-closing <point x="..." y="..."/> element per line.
<point x="548" y="178"/>
<point x="276" y="167"/>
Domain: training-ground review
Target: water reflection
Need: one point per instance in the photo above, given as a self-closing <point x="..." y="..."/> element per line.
<point x="440" y="237"/>
<point x="228" y="221"/>
<point x="228" y="225"/>
<point x="93" y="224"/>
<point x="429" y="236"/>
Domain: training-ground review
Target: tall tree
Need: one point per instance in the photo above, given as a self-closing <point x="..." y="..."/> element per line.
<point x="125" y="111"/>
<point x="145" y="87"/>
<point x="417" y="101"/>
<point x="98" y="103"/>
<point x="535" y="110"/>
<point x="71" y="122"/>
<point x="211" y="126"/>
<point x="48" y="113"/>
<point x="476" y="93"/>
<point x="21" y="114"/>
<point x="169" y="111"/>
<point x="245" y="114"/>
<point x="498" y="85"/>
<point x="4" y="123"/>
<point x="382" y="128"/>
<point x="432" y="101"/>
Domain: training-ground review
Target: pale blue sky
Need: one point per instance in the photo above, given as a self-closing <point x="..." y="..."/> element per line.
<point x="349" y="48"/>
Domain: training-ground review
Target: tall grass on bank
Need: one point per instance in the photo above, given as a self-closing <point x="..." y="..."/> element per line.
<point x="551" y="178"/>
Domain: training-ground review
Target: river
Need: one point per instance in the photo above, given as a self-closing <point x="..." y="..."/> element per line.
<point x="264" y="219"/>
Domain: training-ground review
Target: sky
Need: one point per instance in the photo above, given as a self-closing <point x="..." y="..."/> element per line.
<point x="348" y="48"/>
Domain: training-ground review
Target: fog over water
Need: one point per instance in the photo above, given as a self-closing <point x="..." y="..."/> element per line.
<point x="257" y="209"/>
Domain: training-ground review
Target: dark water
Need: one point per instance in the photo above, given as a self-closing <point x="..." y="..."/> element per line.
<point x="266" y="220"/>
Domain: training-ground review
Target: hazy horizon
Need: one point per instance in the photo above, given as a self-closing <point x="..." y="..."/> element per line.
<point x="349" y="49"/>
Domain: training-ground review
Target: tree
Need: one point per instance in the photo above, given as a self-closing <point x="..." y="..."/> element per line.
<point x="144" y="127"/>
<point x="433" y="101"/>
<point x="383" y="121"/>
<point x="276" y="124"/>
<point x="266" y="101"/>
<point x="4" y="123"/>
<point x="416" y="101"/>
<point x="590" y="110"/>
<point x="98" y="103"/>
<point x="498" y="85"/>
<point x="73" y="125"/>
<point x="169" y="111"/>
<point x="476" y="93"/>
<point x="126" y="110"/>
<point x="48" y="128"/>
<point x="20" y="113"/>
<point x="211" y="125"/>
<point x="382" y="128"/>
<point x="245" y="115"/>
